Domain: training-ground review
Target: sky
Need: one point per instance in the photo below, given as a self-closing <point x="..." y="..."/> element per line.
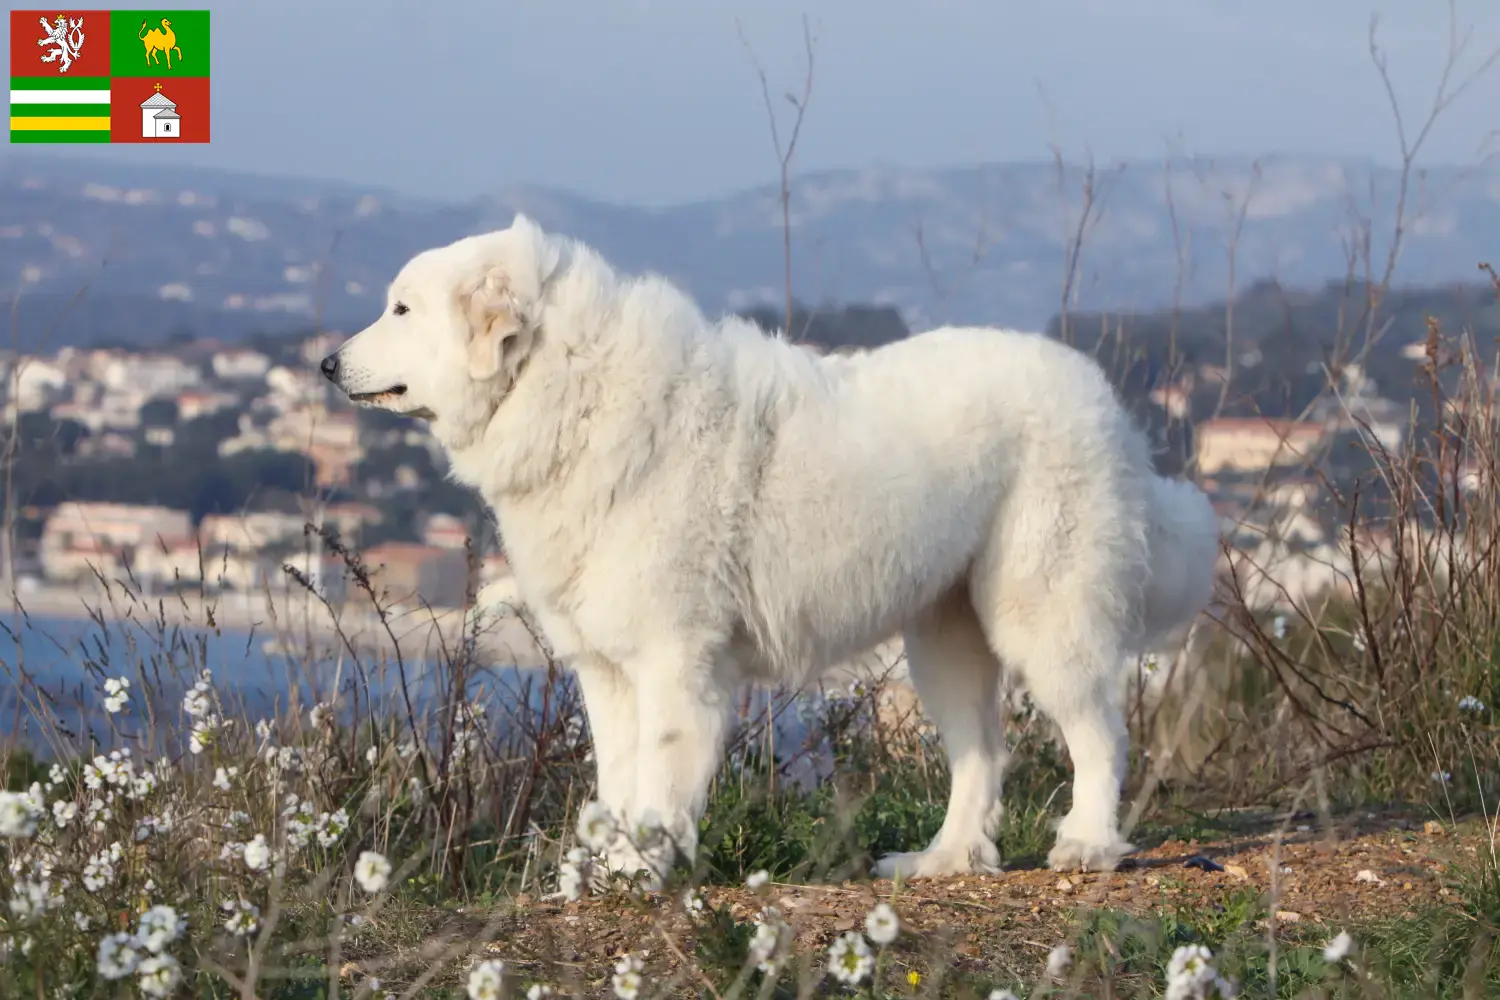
<point x="658" y="102"/>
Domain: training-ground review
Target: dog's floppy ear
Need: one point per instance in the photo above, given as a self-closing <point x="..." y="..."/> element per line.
<point x="503" y="303"/>
<point x="499" y="333"/>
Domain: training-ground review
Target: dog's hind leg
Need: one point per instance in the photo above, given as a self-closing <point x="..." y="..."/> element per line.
<point x="957" y="678"/>
<point x="1069" y="661"/>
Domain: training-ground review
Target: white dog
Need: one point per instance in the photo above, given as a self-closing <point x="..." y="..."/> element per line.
<point x="690" y="504"/>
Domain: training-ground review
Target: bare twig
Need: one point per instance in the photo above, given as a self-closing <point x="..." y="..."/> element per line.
<point x="785" y="153"/>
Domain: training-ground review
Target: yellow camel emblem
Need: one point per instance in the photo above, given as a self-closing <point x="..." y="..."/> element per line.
<point x="159" y="40"/>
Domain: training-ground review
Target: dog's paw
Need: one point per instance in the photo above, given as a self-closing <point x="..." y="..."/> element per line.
<point x="646" y="870"/>
<point x="1070" y="855"/>
<point x="979" y="857"/>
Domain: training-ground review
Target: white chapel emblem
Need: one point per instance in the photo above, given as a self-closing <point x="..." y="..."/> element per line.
<point x="159" y="118"/>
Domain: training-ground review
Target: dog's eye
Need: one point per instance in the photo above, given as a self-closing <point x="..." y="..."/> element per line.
<point x="400" y="309"/>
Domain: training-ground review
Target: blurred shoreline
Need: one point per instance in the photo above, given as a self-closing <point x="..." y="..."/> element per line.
<point x="296" y="624"/>
<point x="291" y="622"/>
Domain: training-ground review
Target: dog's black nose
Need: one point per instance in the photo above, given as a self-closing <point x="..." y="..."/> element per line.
<point x="330" y="367"/>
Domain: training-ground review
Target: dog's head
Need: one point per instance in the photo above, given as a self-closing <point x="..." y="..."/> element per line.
<point x="458" y="326"/>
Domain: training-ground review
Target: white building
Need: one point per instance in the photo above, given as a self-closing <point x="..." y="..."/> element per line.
<point x="159" y="118"/>
<point x="81" y="538"/>
<point x="149" y="375"/>
<point x="37" y="383"/>
<point x="241" y="363"/>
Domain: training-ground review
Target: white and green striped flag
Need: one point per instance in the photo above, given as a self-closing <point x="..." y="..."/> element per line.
<point x="59" y="109"/>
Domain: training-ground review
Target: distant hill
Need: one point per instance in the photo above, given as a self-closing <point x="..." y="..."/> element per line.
<point x="225" y="255"/>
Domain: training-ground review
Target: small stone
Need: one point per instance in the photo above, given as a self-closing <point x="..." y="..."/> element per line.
<point x="1288" y="916"/>
<point x="1365" y="875"/>
<point x="1237" y="872"/>
<point x="1432" y="828"/>
<point x="1063" y="885"/>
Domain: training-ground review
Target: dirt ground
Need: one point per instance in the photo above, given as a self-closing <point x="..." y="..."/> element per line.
<point x="1323" y="879"/>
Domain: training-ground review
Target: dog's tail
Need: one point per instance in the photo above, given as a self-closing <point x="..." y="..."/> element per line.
<point x="1184" y="539"/>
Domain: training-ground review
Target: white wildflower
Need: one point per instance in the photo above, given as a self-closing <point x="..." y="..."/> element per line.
<point x="258" y="853"/>
<point x="321" y="713"/>
<point x="159" y="975"/>
<point x="573" y="873"/>
<point x="205" y="731"/>
<point x="1058" y="960"/>
<point x="56" y="776"/>
<point x="538" y="991"/>
<point x="757" y="880"/>
<point x="159" y="927"/>
<point x="372" y="754"/>
<point x="117" y="692"/>
<point x="1278" y="627"/>
<point x="144" y="783"/>
<point x="1469" y="703"/>
<point x="772" y="942"/>
<point x="1189" y="974"/>
<point x="1002" y="995"/>
<point x="485" y="980"/>
<point x="1441" y="777"/>
<point x="81" y="920"/>
<point x="117" y="956"/>
<point x="1339" y="948"/>
<point x="850" y="959"/>
<point x="242" y="917"/>
<point x="224" y="776"/>
<point x="882" y="924"/>
<point x="372" y="871"/>
<point x="332" y="826"/>
<point x="596" y="826"/>
<point x="64" y="813"/>
<point x="99" y="872"/>
<point x="692" y="902"/>
<point x="18" y="814"/>
<point x="196" y="703"/>
<point x="627" y="978"/>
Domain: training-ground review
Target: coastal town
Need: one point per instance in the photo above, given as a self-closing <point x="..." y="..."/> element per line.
<point x="116" y="409"/>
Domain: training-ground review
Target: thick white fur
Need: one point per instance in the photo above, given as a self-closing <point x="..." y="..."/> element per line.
<point x="689" y="504"/>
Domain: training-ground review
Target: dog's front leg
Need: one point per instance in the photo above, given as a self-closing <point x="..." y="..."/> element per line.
<point x="609" y="700"/>
<point x="682" y="709"/>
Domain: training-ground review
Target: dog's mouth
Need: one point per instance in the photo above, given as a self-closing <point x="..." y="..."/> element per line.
<point x="383" y="396"/>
